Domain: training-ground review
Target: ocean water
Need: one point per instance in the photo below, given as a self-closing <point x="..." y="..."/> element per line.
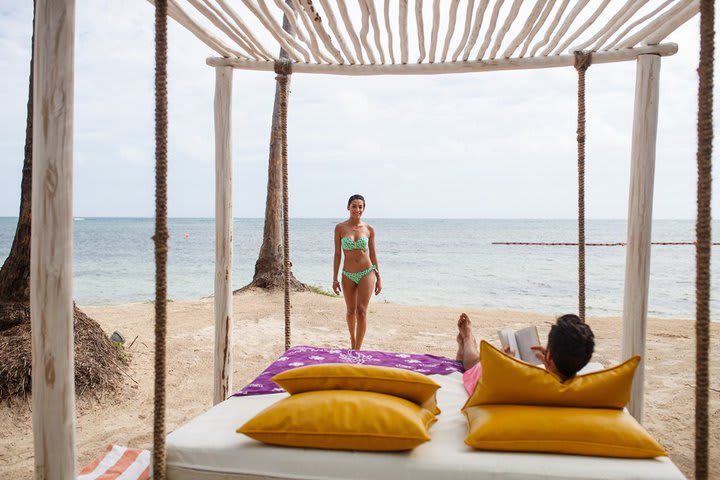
<point x="424" y="262"/>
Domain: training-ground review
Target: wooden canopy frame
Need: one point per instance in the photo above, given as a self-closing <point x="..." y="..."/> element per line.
<point x="325" y="45"/>
<point x="389" y="37"/>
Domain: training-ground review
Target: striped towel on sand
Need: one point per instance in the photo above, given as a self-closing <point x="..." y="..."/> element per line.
<point x="119" y="463"/>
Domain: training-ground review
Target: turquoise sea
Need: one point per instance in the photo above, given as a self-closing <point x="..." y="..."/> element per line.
<point x="426" y="262"/>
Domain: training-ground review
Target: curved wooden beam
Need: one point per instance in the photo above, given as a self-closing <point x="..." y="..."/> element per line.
<point x="527" y="63"/>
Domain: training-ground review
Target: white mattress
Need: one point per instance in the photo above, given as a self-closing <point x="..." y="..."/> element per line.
<point x="208" y="447"/>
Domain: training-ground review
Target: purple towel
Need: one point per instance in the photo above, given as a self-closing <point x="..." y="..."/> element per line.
<point x="302" y="355"/>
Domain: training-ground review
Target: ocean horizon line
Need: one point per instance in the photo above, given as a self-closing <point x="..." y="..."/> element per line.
<point x="113" y="217"/>
<point x="475" y="263"/>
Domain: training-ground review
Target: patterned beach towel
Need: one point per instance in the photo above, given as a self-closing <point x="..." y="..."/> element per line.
<point x="302" y="355"/>
<point x="119" y="463"/>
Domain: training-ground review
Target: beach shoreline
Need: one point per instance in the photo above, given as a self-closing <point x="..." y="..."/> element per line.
<point x="125" y="416"/>
<point x="455" y="260"/>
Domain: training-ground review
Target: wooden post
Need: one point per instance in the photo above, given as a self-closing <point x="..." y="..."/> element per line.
<point x="637" y="260"/>
<point x="223" y="235"/>
<point x="51" y="307"/>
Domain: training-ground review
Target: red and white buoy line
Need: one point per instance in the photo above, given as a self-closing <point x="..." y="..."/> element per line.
<point x="571" y="244"/>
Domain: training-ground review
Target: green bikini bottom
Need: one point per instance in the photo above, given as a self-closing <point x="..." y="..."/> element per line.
<point x="357" y="276"/>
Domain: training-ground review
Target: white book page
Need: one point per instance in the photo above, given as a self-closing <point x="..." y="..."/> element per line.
<point x="526" y="338"/>
<point x="507" y="339"/>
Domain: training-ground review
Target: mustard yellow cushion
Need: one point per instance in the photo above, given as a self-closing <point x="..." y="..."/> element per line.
<point x="506" y="380"/>
<point x="413" y="386"/>
<point x="342" y="420"/>
<point x="601" y="432"/>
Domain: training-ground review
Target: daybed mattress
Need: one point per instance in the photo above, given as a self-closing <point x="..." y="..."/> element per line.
<point x="208" y="448"/>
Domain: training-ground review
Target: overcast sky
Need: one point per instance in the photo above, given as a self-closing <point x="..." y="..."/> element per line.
<point x="483" y="145"/>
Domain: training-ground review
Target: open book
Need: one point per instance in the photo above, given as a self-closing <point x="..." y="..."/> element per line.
<point x="520" y="342"/>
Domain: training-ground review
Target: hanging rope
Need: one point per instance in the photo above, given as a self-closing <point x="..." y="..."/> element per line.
<point x="283" y="68"/>
<point x="704" y="234"/>
<point x="160" y="237"/>
<point x="582" y="63"/>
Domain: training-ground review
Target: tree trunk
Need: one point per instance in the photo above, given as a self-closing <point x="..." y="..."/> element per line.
<point x="97" y="361"/>
<point x="269" y="267"/>
<point x="15" y="272"/>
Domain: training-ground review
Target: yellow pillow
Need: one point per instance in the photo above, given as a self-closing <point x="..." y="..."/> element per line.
<point x="507" y="380"/>
<point x="580" y="431"/>
<point x="342" y="420"/>
<point x="413" y="386"/>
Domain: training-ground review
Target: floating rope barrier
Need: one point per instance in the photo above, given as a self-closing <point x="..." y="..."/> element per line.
<point x="573" y="244"/>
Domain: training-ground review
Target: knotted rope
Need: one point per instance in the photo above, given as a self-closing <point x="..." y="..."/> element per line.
<point x="582" y="63"/>
<point x="160" y="237"/>
<point x="283" y="68"/>
<point x="703" y="235"/>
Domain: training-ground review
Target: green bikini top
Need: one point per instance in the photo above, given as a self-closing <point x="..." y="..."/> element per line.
<point x="350" y="244"/>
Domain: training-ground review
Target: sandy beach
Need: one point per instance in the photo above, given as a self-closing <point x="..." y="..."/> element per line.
<point x="125" y="416"/>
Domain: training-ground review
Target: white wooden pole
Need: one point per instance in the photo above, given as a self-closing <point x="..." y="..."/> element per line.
<point x="615" y="23"/>
<point x="247" y="32"/>
<point x="420" y="29"/>
<point x="506" y="26"/>
<point x="223" y="235"/>
<point x="365" y="29"/>
<point x="634" y="24"/>
<point x="674" y="23"/>
<point x="316" y="21"/>
<point x="530" y="22"/>
<point x="271" y="25"/>
<point x="466" y="30"/>
<point x="637" y="261"/>
<point x="490" y="29"/>
<point x="435" y="29"/>
<point x="330" y="16"/>
<point x="388" y="28"/>
<point x="277" y="29"/>
<point x="216" y="17"/>
<point x="657" y="24"/>
<point x="350" y="30"/>
<point x="536" y="28"/>
<point x="51" y="307"/>
<point x="451" y="28"/>
<point x="313" y="45"/>
<point x="176" y="12"/>
<point x="376" y="28"/>
<point x="475" y="32"/>
<point x="555" y="22"/>
<point x="403" y="20"/>
<point x="590" y="21"/>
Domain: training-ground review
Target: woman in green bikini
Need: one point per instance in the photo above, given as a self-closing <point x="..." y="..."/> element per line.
<point x="360" y="273"/>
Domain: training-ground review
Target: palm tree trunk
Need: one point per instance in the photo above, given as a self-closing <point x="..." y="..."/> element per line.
<point x="97" y="360"/>
<point x="15" y="272"/>
<point x="269" y="270"/>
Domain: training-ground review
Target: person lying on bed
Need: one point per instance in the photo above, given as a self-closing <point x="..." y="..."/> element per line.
<point x="569" y="348"/>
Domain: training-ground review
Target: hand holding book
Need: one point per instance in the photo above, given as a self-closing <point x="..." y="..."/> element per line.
<point x="540" y="353"/>
<point x="523" y="344"/>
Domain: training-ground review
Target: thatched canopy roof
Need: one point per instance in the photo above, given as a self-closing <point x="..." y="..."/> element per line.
<point x="380" y="37"/>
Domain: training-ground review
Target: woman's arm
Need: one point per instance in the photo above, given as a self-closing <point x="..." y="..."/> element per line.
<point x="336" y="261"/>
<point x="373" y="259"/>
